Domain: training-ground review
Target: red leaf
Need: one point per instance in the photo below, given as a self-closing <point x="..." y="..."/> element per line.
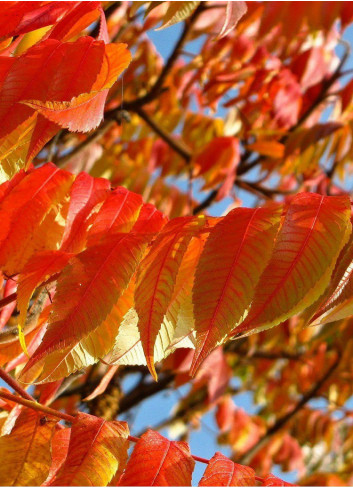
<point x="215" y="373"/>
<point x="157" y="461"/>
<point x="235" y="254"/>
<point x="74" y="101"/>
<point x="118" y="214"/>
<point x="273" y="481"/>
<point x="86" y="193"/>
<point x="21" y="17"/>
<point x="234" y="12"/>
<point x="222" y="472"/>
<point x="313" y="233"/>
<point x="156" y="279"/>
<point x="87" y="290"/>
<point x="24" y="210"/>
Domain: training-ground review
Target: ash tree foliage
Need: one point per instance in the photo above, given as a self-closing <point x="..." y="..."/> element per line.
<point x="115" y="271"/>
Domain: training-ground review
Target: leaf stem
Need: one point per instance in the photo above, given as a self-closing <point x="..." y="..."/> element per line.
<point x="67" y="417"/>
<point x="37" y="407"/>
<point x="13" y="297"/>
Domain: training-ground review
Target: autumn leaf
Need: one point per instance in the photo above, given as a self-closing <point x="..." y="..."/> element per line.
<point x="97" y="450"/>
<point x="59" y="445"/>
<point x="156" y="280"/>
<point x="247" y="238"/>
<point x="176" y="12"/>
<point x="223" y="472"/>
<point x="25" y="452"/>
<point x="313" y="233"/>
<point x="24" y="131"/>
<point x="157" y="461"/>
<point x="32" y="205"/>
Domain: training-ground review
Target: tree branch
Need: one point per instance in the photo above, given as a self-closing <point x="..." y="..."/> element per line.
<point x="142" y="391"/>
<point x="246" y="166"/>
<point x="36" y="406"/>
<point x="245" y="459"/>
<point x="177" y="146"/>
<point x="15" y="385"/>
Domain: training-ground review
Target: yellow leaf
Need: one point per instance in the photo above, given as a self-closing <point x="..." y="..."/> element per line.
<point x="25" y="452"/>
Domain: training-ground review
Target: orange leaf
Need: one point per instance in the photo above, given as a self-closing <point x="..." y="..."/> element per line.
<point x="234" y="256"/>
<point x="314" y="231"/>
<point x="273" y="149"/>
<point x="273" y="481"/>
<point x="23" y="211"/>
<point x="86" y="193"/>
<point x="25" y="452"/>
<point x="87" y="290"/>
<point x="97" y="450"/>
<point x="156" y="280"/>
<point x="59" y="449"/>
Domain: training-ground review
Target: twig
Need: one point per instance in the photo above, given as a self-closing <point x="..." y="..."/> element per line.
<point x="15" y="385"/>
<point x="177" y="146"/>
<point x="246" y="166"/>
<point x="93" y="137"/>
<point x="36" y="406"/>
<point x="143" y="391"/>
<point x="52" y="147"/>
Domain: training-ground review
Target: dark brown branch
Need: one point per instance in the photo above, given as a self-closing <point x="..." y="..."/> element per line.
<point x="142" y="391"/>
<point x="246" y="165"/>
<point x="93" y="137"/>
<point x="245" y="459"/>
<point x="177" y="146"/>
<point x="108" y="12"/>
<point x="135" y="105"/>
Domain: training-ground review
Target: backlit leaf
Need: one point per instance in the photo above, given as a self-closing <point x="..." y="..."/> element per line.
<point x="157" y="461"/>
<point x="156" y="280"/>
<point x="223" y="472"/>
<point x="25" y="452"/>
<point x="234" y="256"/>
<point x="313" y="233"/>
<point x="97" y="450"/>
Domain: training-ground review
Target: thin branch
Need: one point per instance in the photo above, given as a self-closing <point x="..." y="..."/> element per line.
<point x="246" y="166"/>
<point x="142" y="391"/>
<point x="177" y="146"/>
<point x="108" y="12"/>
<point x="245" y="459"/>
<point x="158" y="86"/>
<point x="15" y="385"/>
<point x="205" y="203"/>
<point x="92" y="138"/>
<point x="36" y="406"/>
